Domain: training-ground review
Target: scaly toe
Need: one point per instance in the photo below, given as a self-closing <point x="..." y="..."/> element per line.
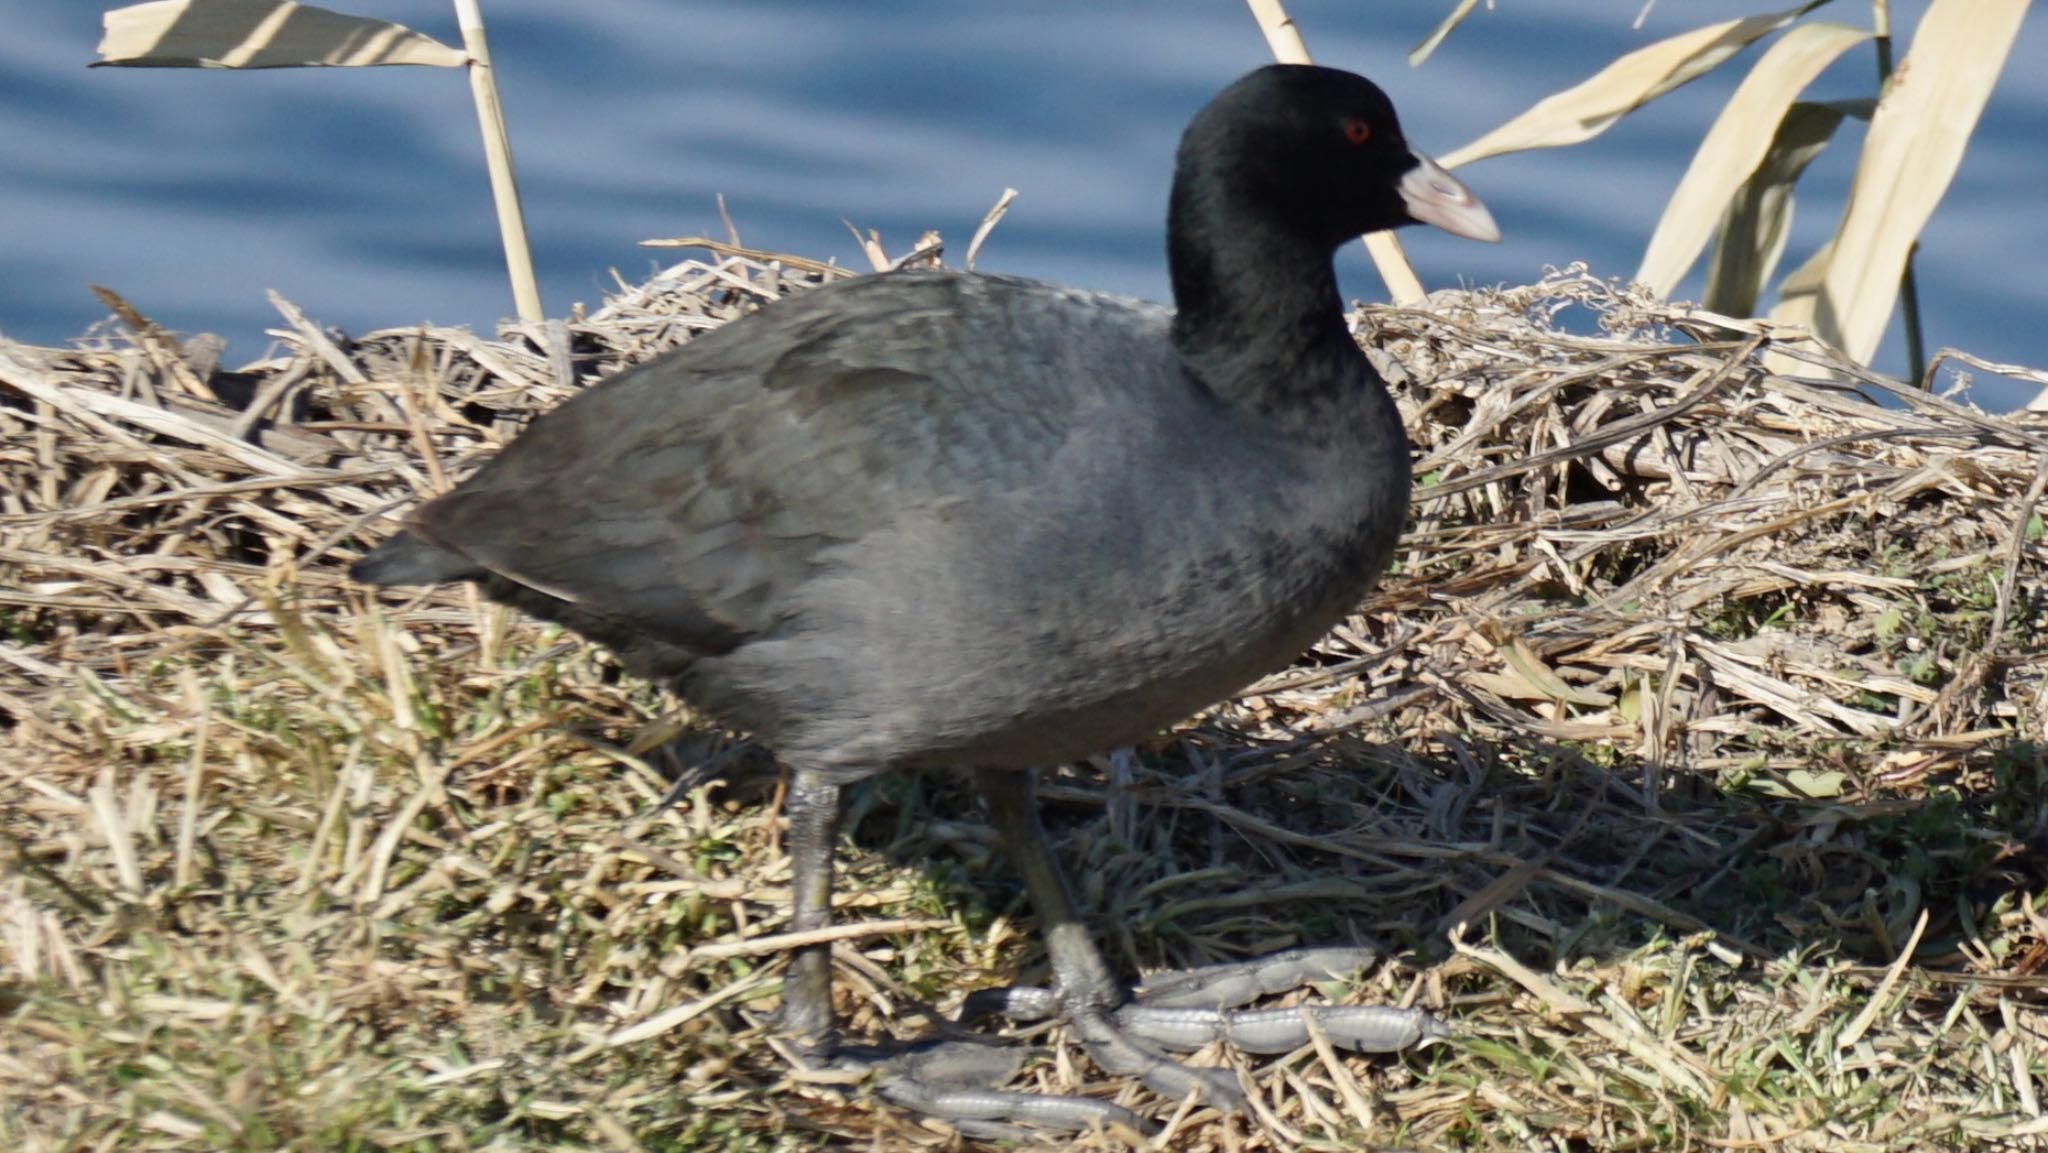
<point x="953" y="1081"/>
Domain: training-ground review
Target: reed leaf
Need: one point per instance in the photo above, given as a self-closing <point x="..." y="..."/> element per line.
<point x="260" y="34"/>
<point x="1922" y="124"/>
<point x="1751" y="237"/>
<point x="1591" y="107"/>
<point x="1740" y="139"/>
<point x="1421" y="52"/>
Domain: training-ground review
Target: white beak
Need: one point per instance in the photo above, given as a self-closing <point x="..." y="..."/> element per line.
<point x="1436" y="197"/>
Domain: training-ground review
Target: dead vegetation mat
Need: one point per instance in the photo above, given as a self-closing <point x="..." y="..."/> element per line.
<point x="1690" y="763"/>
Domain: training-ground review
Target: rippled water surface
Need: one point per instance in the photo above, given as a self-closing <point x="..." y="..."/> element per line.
<point x="360" y="194"/>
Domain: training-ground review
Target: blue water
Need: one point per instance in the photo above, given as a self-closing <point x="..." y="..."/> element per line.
<point x="360" y="194"/>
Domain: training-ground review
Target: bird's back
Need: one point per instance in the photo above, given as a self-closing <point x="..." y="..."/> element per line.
<point x="927" y="517"/>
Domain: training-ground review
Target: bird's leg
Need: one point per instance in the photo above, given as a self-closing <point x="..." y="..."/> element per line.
<point x="950" y="1079"/>
<point x="813" y="810"/>
<point x="944" y="1079"/>
<point x="1085" y="991"/>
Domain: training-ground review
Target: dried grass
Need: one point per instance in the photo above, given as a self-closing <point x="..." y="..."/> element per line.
<point x="1708" y="701"/>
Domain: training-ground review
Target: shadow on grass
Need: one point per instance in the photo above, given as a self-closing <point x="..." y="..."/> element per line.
<point x="1608" y="878"/>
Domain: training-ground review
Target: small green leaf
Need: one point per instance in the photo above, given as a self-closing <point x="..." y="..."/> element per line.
<point x="1817" y="785"/>
<point x="1888" y="624"/>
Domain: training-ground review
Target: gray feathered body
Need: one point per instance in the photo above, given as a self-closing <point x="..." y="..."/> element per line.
<point x="930" y="518"/>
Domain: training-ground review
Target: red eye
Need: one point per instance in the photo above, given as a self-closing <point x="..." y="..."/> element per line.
<point x="1357" y="131"/>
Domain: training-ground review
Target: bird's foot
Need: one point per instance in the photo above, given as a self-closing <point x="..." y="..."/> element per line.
<point x="1186" y="1009"/>
<point x="957" y="1080"/>
<point x="1183" y="1010"/>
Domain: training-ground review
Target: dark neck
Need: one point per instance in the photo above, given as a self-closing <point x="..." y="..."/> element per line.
<point x="1257" y="315"/>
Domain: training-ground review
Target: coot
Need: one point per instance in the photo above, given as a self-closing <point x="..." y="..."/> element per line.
<point x="929" y="519"/>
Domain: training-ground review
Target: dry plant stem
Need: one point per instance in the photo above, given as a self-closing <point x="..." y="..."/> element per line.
<point x="1909" y="284"/>
<point x="988" y="224"/>
<point x="1422" y="51"/>
<point x="490" y="116"/>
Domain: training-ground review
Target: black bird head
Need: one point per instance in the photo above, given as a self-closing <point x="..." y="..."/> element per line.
<point x="1318" y="152"/>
